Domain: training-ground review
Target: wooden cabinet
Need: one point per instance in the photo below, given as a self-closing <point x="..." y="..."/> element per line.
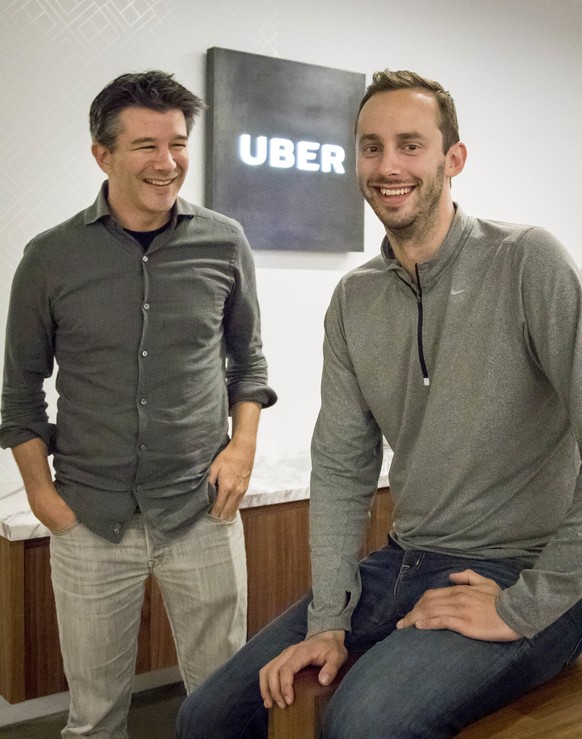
<point x="278" y="574"/>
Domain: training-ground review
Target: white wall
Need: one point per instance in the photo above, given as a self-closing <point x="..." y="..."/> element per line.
<point x="513" y="66"/>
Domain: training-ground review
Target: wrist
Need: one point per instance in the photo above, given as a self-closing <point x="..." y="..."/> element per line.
<point x="246" y="443"/>
<point x="337" y="635"/>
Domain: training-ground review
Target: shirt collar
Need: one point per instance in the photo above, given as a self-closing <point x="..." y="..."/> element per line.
<point x="445" y="254"/>
<point x="100" y="209"/>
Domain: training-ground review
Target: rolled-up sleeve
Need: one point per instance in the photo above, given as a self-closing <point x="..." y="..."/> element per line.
<point x="246" y="366"/>
<point x="29" y="356"/>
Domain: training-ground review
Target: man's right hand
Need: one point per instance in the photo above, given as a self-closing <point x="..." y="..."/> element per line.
<point x="47" y="505"/>
<point x="51" y="509"/>
<point x="325" y="650"/>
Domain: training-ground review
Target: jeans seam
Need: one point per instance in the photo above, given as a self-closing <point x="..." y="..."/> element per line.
<point x="574" y="653"/>
<point x="251" y="718"/>
<point x="411" y="570"/>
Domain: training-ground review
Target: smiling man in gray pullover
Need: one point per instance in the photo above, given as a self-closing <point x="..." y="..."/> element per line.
<point x="461" y="344"/>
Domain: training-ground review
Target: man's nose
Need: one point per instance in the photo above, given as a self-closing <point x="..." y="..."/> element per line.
<point x="164" y="158"/>
<point x="389" y="163"/>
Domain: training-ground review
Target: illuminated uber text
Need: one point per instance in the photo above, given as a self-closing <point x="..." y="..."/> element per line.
<point x="308" y="156"/>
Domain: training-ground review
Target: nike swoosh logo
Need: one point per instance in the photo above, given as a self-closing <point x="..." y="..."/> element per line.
<point x="457" y="292"/>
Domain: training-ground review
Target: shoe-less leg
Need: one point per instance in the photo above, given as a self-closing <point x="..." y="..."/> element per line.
<point x="203" y="578"/>
<point x="99" y="590"/>
<point x="430" y="684"/>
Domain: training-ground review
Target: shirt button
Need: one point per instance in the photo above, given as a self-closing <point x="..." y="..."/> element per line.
<point x="146" y="306"/>
<point x="143" y="447"/>
<point x="116" y="528"/>
<point x="138" y="488"/>
<point x="145" y="259"/>
<point x="143" y="401"/>
<point x="144" y="353"/>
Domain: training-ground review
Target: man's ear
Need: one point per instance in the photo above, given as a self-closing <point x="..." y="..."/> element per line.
<point x="456" y="158"/>
<point x="102" y="156"/>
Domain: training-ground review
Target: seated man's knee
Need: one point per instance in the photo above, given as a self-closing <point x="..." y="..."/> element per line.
<point x="215" y="711"/>
<point x="194" y="718"/>
<point x="380" y="711"/>
<point x="346" y="720"/>
<point x="366" y="722"/>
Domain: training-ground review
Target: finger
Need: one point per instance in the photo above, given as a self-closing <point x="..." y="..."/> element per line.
<point x="286" y="678"/>
<point x="218" y="502"/>
<point x="218" y="510"/>
<point x="406" y="622"/>
<point x="224" y="514"/>
<point x="279" y="684"/>
<point x="222" y="490"/>
<point x="431" y="607"/>
<point x="330" y="669"/>
<point x="264" y="687"/>
<point x="438" y="623"/>
<point x="213" y="473"/>
<point x="446" y="614"/>
<point x="468" y="577"/>
<point x="230" y="503"/>
<point x="430" y="599"/>
<point x="280" y="673"/>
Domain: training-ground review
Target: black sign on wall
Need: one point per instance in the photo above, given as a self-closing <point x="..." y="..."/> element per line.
<point x="280" y="151"/>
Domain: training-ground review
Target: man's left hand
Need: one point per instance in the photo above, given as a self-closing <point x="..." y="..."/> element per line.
<point x="468" y="607"/>
<point x="230" y="473"/>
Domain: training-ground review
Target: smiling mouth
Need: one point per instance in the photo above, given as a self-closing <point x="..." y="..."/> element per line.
<point x="394" y="191"/>
<point x="159" y="183"/>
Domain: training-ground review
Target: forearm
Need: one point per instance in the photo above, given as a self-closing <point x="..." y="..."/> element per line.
<point x="245" y="423"/>
<point x="231" y="470"/>
<point x="546" y="591"/>
<point x="32" y="460"/>
<point x="45" y="502"/>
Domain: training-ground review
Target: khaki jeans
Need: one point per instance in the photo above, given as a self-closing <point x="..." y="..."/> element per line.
<point x="99" y="588"/>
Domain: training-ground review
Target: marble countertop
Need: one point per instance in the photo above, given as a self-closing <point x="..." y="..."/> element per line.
<point x="275" y="479"/>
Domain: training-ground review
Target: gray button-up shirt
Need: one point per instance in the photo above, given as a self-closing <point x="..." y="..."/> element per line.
<point x="151" y="352"/>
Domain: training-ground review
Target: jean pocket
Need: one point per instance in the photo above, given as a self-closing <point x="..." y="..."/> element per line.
<point x="223" y="521"/>
<point x="66" y="530"/>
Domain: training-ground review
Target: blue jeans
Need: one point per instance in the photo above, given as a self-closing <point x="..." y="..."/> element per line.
<point x="410" y="683"/>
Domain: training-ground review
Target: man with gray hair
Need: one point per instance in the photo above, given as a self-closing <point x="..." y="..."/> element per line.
<point x="148" y="306"/>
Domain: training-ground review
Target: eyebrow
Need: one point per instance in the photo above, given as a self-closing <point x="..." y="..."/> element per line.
<point x="151" y="140"/>
<point x="408" y="136"/>
<point x="365" y="138"/>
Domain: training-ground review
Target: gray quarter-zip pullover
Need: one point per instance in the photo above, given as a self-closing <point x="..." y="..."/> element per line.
<point x="481" y="402"/>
